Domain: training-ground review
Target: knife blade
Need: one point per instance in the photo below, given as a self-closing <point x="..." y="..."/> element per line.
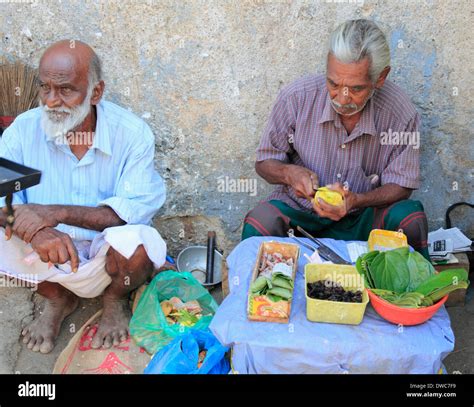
<point x="300" y="241"/>
<point x="323" y="250"/>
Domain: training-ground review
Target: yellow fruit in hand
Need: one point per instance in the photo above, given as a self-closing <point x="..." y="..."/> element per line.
<point x="329" y="196"/>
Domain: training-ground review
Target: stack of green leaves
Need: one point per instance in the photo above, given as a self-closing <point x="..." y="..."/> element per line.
<point x="279" y="287"/>
<point x="407" y="279"/>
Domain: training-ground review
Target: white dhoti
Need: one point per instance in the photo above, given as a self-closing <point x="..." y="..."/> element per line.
<point x="18" y="259"/>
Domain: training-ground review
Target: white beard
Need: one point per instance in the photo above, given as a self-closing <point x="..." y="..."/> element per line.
<point x="57" y="127"/>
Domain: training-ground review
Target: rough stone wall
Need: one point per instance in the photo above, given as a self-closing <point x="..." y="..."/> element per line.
<point x="204" y="75"/>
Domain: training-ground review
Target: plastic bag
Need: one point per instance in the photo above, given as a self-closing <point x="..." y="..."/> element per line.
<point x="181" y="355"/>
<point x="149" y="327"/>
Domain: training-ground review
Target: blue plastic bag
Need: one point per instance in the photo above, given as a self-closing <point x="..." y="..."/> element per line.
<point x="181" y="355"/>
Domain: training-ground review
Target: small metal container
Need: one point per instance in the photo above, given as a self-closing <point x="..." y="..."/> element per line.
<point x="193" y="259"/>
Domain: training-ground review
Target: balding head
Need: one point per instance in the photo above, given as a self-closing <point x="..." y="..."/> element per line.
<point x="74" y="55"/>
<point x="71" y="83"/>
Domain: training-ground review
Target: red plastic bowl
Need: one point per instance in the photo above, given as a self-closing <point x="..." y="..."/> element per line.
<point x="403" y="316"/>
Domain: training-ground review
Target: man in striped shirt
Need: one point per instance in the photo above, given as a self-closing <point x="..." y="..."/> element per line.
<point x="84" y="230"/>
<point x="350" y="129"/>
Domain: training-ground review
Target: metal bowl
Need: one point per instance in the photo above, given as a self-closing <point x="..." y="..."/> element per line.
<point x="193" y="259"/>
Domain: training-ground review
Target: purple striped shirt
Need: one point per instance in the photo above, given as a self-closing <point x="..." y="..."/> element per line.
<point x="304" y="129"/>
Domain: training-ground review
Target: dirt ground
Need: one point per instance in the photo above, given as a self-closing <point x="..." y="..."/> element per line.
<point x="17" y="306"/>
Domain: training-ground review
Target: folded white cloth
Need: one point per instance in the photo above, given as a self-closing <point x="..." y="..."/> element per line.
<point x="17" y="258"/>
<point x="125" y="239"/>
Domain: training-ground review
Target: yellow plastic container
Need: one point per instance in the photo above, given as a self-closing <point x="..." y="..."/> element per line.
<point x="335" y="312"/>
<point x="383" y="240"/>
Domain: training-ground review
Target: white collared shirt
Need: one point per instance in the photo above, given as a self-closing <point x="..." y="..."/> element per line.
<point x="118" y="170"/>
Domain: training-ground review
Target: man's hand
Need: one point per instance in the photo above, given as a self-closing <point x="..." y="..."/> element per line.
<point x="302" y="180"/>
<point x="55" y="247"/>
<point x="31" y="218"/>
<point x="332" y="212"/>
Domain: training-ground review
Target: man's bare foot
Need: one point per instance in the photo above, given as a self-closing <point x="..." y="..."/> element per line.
<point x="41" y="333"/>
<point x="113" y="325"/>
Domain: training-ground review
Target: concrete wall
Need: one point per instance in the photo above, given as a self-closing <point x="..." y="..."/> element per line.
<point x="204" y="75"/>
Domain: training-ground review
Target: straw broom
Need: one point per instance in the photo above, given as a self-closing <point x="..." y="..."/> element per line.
<point x="19" y="92"/>
<point x="18" y="87"/>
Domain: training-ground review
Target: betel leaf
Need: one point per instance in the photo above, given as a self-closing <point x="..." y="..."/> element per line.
<point x="390" y="271"/>
<point x="274" y="298"/>
<point x="362" y="266"/>
<point x="258" y="285"/>
<point x="397" y="270"/>
<point x="362" y="270"/>
<point x="280" y="292"/>
<point x="441" y="292"/>
<point x="375" y="270"/>
<point x="441" y="280"/>
<point x="420" y="270"/>
<point x="404" y="251"/>
<point x="282" y="282"/>
<point x="404" y="300"/>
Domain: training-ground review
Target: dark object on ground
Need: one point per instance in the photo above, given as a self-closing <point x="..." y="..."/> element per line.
<point x="211" y="243"/>
<point x="332" y="291"/>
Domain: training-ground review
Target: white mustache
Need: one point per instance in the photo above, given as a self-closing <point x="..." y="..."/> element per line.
<point x="52" y="110"/>
<point x="339" y="106"/>
<point x="352" y="106"/>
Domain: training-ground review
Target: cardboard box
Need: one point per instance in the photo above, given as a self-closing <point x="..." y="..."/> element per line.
<point x="261" y="308"/>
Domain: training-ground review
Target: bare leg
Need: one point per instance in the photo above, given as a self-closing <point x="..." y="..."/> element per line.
<point x="40" y="334"/>
<point x="126" y="276"/>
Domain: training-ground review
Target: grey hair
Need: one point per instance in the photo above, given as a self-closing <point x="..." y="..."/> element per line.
<point x="95" y="69"/>
<point x="354" y="40"/>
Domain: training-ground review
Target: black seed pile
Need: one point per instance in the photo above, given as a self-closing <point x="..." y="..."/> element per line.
<point x="332" y="291"/>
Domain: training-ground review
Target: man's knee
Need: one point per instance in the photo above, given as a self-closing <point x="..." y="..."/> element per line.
<point x="116" y="264"/>
<point x="404" y="212"/>
<point x="265" y="220"/>
<point x="409" y="217"/>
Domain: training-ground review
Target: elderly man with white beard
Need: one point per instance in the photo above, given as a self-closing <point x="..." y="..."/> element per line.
<point x="85" y="229"/>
